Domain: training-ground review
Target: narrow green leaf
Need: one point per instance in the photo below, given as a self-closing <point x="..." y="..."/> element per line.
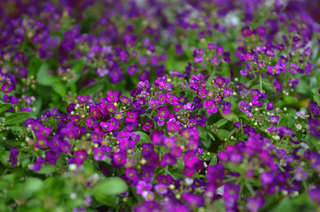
<point x="267" y="85"/>
<point x="231" y="116"/>
<point x="223" y="133"/>
<point x="108" y="187"/>
<point x="59" y="88"/>
<point x="221" y="122"/>
<point x="214" y="160"/>
<point x="92" y="89"/>
<point x="210" y="79"/>
<point x="144" y="138"/>
<point x="25" y="189"/>
<point x="225" y="69"/>
<point x="79" y="66"/>
<point x="13" y="142"/>
<point x="47" y="169"/>
<point x="34" y="65"/>
<point x="4" y="107"/>
<point x="290" y="100"/>
<point x="17" y="118"/>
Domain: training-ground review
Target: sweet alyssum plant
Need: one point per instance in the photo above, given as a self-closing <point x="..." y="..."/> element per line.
<point x="221" y="119"/>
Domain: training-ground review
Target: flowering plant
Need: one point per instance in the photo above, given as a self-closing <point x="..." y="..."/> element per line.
<point x="159" y="106"/>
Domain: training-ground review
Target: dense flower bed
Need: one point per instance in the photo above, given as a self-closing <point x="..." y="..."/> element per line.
<point x="159" y="106"/>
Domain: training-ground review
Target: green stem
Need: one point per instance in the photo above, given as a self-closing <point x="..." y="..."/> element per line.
<point x="4" y="172"/>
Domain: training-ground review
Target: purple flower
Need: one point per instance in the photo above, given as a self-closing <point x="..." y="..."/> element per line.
<point x="91" y="122"/>
<point x="131" y="116"/>
<point x="274" y="119"/>
<point x="211" y="108"/>
<point x="203" y="92"/>
<point x="102" y="71"/>
<point x="143" y="186"/>
<point x="244" y="107"/>
<point x="132" y="174"/>
<point x="269" y="106"/>
<point x="148" y="195"/>
<point x="147" y="125"/>
<point x="132" y="69"/>
<point x="256" y="203"/>
<point x="52" y="157"/>
<point x="38" y="163"/>
<point x="84" y="99"/>
<point x="168" y="160"/>
<point x="161" y="188"/>
<point x="6" y="88"/>
<point x="245" y="31"/>
<point x="13" y="156"/>
<point x="302" y="114"/>
<point x="100" y="153"/>
<point x="154" y="103"/>
<point x="300" y="175"/>
<point x="113" y="96"/>
<point x="314" y="194"/>
<point x="80" y="156"/>
<point x="266" y="178"/>
<point x="193" y="200"/>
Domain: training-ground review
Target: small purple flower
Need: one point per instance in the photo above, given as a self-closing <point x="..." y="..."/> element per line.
<point x="52" y="157"/>
<point x="256" y="203"/>
<point x="102" y="71"/>
<point x="148" y="195"/>
<point x="269" y="106"/>
<point x="6" y="88"/>
<point x="211" y="107"/>
<point x="84" y="99"/>
<point x="161" y="188"/>
<point x="143" y="186"/>
<point x="131" y="116"/>
<point x="300" y="175"/>
<point x="302" y="114"/>
<point x="113" y="96"/>
<point x="274" y="119"/>
<point x="168" y="160"/>
<point x="80" y="156"/>
<point x="244" y="107"/>
<point x="100" y="153"/>
<point x="91" y="122"/>
<point x="13" y="156"/>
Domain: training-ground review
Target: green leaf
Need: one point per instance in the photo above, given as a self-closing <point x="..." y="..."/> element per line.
<point x="231" y="116"/>
<point x="144" y="138"/>
<point x="225" y="69"/>
<point x="17" y="128"/>
<point x="92" y="89"/>
<point x="79" y="66"/>
<point x="59" y="88"/>
<point x="47" y="169"/>
<point x="214" y="160"/>
<point x="302" y="87"/>
<point x="13" y="142"/>
<point x="210" y="79"/>
<point x="109" y="186"/>
<point x="221" y="122"/>
<point x="314" y="91"/>
<point x="290" y="100"/>
<point x="223" y="133"/>
<point x="33" y="66"/>
<point x="4" y="107"/>
<point x="106" y="190"/>
<point x="17" y="118"/>
<point x="44" y="78"/>
<point x="26" y="189"/>
<point x="267" y="85"/>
